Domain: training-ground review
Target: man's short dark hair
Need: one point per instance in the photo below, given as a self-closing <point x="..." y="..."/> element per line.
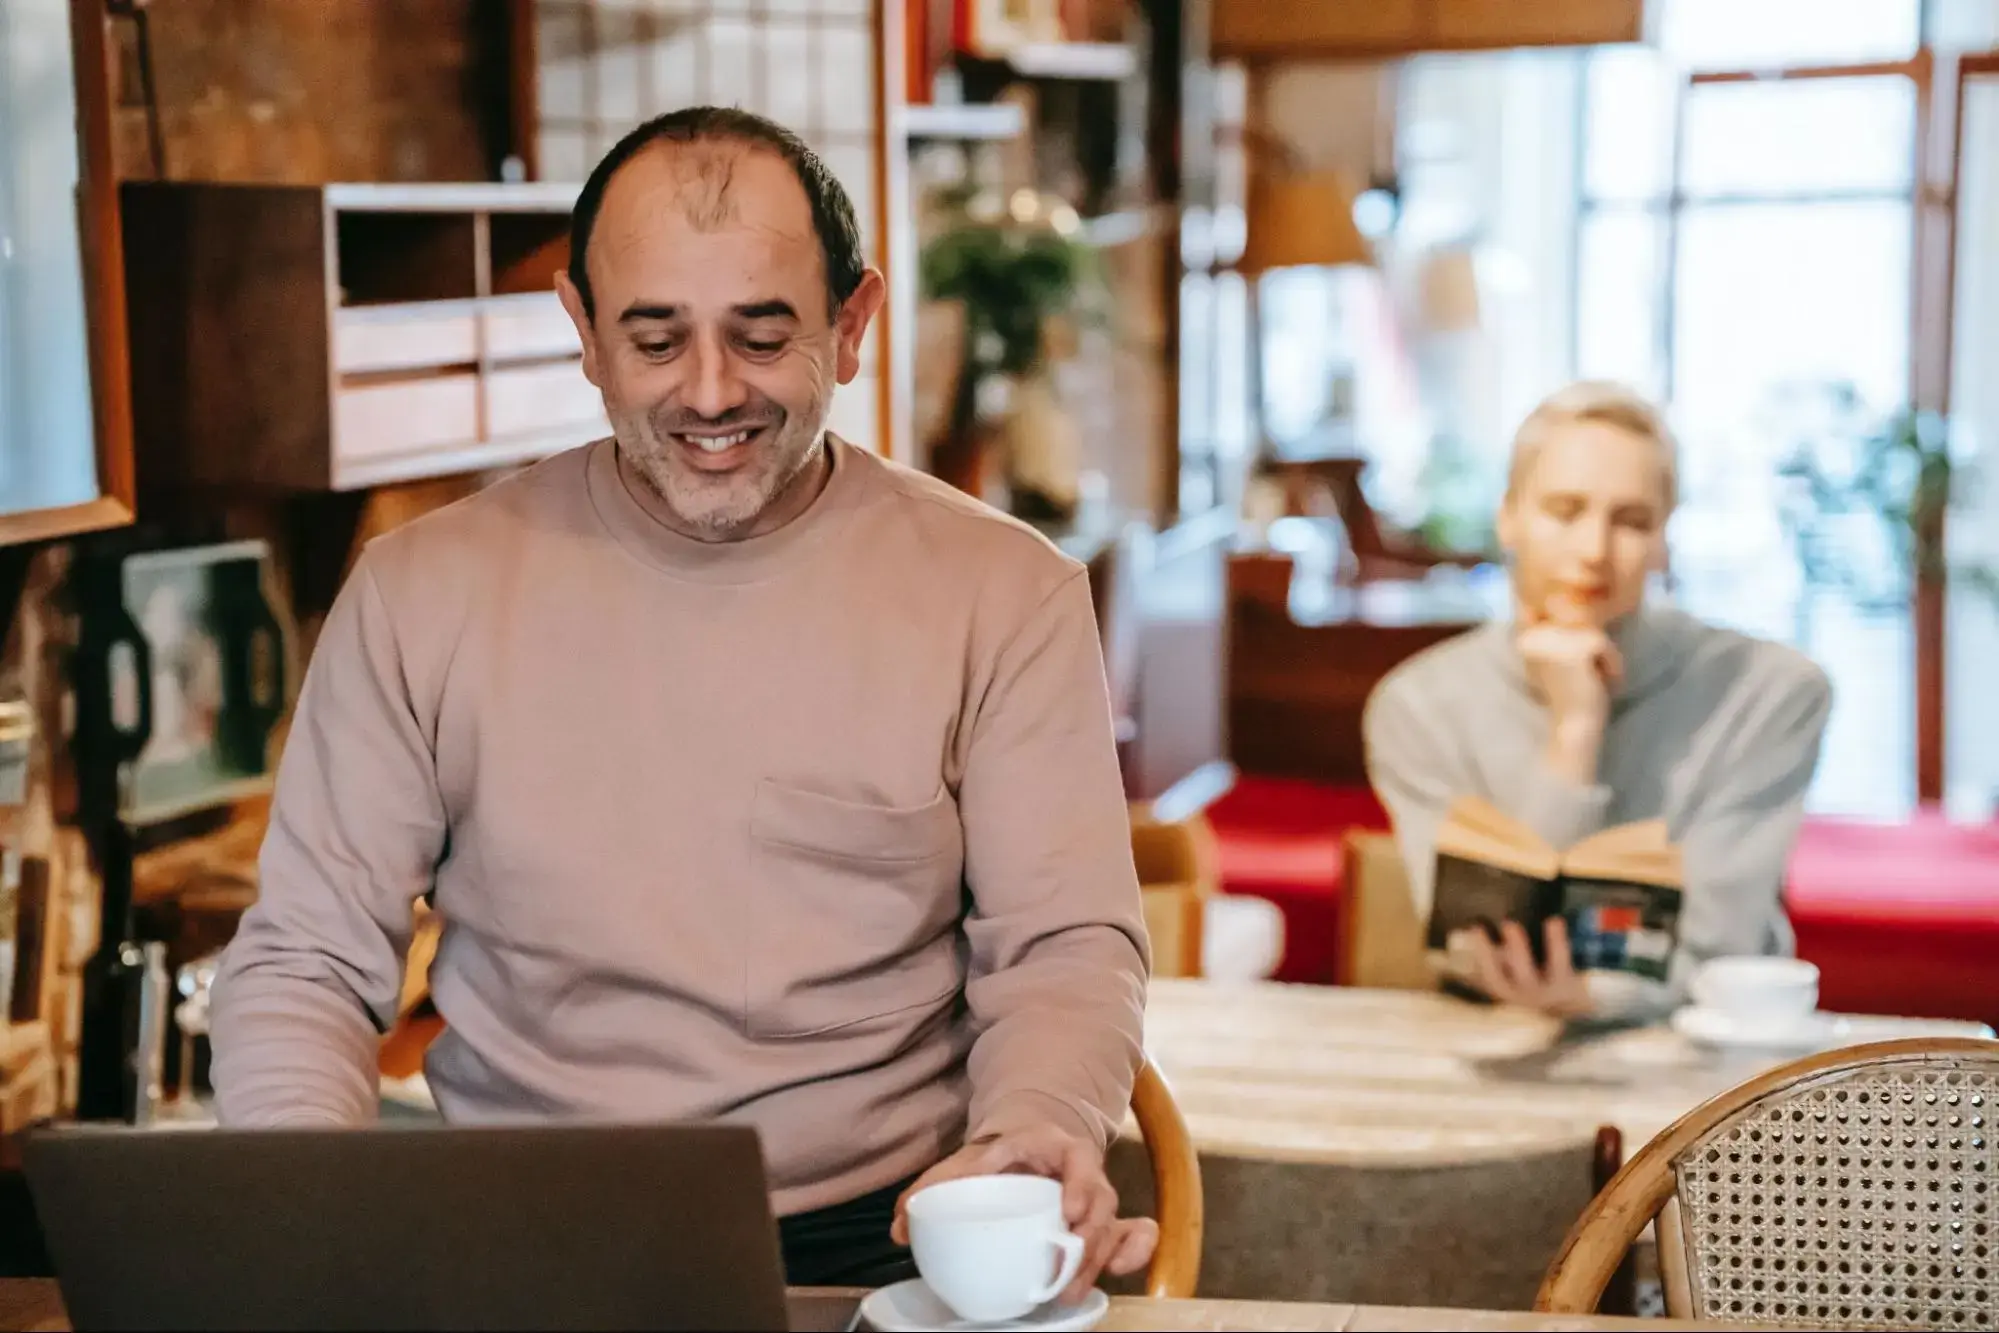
<point x="832" y="211"/>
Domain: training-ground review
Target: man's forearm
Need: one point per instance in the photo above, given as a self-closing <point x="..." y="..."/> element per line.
<point x="1067" y="1039"/>
<point x="291" y="1051"/>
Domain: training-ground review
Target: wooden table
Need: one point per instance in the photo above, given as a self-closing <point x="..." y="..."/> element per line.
<point x="36" y="1305"/>
<point x="1401" y="1147"/>
<point x="1417" y="1078"/>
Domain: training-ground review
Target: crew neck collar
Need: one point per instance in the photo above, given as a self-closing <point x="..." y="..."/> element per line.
<point x="633" y="524"/>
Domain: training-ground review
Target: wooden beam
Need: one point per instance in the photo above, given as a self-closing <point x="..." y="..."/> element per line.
<point x="895" y="239"/>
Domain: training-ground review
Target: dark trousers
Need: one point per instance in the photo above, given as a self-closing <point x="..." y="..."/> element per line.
<point x="846" y="1244"/>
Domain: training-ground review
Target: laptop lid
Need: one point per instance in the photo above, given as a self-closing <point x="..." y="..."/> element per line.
<point x="416" y="1227"/>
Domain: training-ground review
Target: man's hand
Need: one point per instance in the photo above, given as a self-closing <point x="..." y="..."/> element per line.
<point x="1507" y="972"/>
<point x="1113" y="1244"/>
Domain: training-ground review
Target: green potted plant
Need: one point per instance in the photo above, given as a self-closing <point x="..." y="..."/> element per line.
<point x="1899" y="471"/>
<point x="1460" y="499"/>
<point x="1015" y="280"/>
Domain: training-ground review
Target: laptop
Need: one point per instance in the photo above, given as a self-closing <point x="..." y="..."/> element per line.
<point x="410" y="1227"/>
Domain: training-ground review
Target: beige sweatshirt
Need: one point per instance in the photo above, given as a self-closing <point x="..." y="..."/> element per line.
<point x="820" y="831"/>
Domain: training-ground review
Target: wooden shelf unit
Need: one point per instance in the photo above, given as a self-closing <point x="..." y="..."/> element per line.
<point x="335" y="337"/>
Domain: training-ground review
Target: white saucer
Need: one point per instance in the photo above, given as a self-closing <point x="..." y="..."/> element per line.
<point x="910" y="1306"/>
<point x="1721" y="1031"/>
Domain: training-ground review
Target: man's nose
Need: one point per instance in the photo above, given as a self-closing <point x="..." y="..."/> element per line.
<point x="715" y="389"/>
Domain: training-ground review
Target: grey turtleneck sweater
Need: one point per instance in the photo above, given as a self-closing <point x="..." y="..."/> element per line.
<point x="1714" y="731"/>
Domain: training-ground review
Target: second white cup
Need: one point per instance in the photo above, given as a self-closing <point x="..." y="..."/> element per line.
<point x="987" y="1245"/>
<point x="1758" y="990"/>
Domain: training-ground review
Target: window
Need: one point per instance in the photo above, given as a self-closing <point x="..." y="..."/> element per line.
<point x="1971" y="734"/>
<point x="1215" y="424"/>
<point x="46" y="421"/>
<point x="1764" y="34"/>
<point x="1744" y="252"/>
<point x="1426" y="360"/>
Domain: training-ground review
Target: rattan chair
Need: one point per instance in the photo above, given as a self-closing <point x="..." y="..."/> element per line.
<point x="1853" y="1189"/>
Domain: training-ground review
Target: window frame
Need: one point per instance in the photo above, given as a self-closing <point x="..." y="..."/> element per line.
<point x="1929" y="195"/>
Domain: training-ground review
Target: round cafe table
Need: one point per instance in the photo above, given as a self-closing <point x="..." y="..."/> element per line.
<point x="1405" y="1147"/>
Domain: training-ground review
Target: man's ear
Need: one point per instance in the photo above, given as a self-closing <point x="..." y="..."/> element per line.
<point x="850" y="322"/>
<point x="586" y="330"/>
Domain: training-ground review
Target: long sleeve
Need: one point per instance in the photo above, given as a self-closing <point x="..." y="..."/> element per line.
<point x="1738" y="839"/>
<point x="313" y="975"/>
<point x="1418" y="768"/>
<point x="1059" y="957"/>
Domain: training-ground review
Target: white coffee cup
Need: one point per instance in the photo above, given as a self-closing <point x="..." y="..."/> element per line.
<point x="1758" y="990"/>
<point x="987" y="1244"/>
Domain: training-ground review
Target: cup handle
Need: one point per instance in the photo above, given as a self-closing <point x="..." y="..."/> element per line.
<point x="1071" y="1246"/>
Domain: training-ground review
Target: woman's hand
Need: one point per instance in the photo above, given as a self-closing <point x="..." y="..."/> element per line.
<point x="1506" y="971"/>
<point x="1572" y="664"/>
<point x="1570" y="661"/>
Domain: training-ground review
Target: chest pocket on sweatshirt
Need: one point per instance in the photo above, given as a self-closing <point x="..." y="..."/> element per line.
<point x="853" y="914"/>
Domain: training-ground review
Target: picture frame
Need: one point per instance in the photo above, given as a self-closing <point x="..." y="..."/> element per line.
<point x="215" y="679"/>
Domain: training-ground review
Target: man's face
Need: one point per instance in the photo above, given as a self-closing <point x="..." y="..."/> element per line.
<point x="1586" y="524"/>
<point x="712" y="340"/>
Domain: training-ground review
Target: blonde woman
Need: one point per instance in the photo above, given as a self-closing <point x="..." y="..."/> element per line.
<point x="1591" y="708"/>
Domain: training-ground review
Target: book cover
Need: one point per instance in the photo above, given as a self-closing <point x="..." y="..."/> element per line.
<point x="1619" y="891"/>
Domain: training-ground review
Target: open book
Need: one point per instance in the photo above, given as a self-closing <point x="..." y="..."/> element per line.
<point x="1619" y="890"/>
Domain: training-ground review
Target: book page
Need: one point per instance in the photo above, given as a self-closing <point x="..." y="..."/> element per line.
<point x="1637" y="853"/>
<point x="1476" y="831"/>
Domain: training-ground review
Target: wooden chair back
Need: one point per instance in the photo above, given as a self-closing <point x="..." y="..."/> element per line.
<point x="1260" y="579"/>
<point x="1342" y="479"/>
<point x="1385" y="932"/>
<point x="1178" y="1204"/>
<point x="1620" y="1294"/>
<point x="1858" y="1188"/>
<point x="1177" y="871"/>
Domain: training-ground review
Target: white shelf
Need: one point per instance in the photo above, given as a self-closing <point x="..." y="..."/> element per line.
<point x="1073" y="60"/>
<point x="453" y="197"/>
<point x="997" y="120"/>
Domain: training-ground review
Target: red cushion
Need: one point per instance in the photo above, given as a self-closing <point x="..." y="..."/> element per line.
<point x="1280" y="839"/>
<point x="1900" y="918"/>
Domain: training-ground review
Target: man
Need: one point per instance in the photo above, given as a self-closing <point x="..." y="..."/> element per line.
<point x="1592" y="709"/>
<point x="754" y="778"/>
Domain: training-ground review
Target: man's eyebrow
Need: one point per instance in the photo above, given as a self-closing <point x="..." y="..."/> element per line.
<point x="775" y="308"/>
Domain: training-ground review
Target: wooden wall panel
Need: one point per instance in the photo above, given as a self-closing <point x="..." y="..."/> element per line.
<point x="268" y="90"/>
<point x="1342" y="29"/>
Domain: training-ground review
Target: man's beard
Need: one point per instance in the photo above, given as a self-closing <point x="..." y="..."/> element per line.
<point x="724" y="507"/>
